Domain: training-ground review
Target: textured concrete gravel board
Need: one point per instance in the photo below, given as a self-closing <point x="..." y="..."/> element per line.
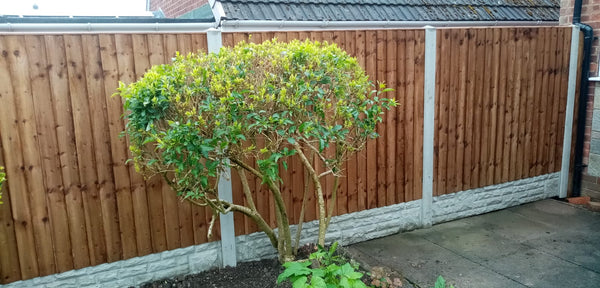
<point x="542" y="244"/>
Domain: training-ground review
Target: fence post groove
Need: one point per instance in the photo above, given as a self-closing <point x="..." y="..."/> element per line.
<point x="228" y="251"/>
<point x="428" y="125"/>
<point x="566" y="153"/>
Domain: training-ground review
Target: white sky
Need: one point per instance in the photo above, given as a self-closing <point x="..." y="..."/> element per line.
<point x="74" y="7"/>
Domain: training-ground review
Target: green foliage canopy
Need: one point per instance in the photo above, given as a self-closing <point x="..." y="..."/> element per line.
<point x="250" y="102"/>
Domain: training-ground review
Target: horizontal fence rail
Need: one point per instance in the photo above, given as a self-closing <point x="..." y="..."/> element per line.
<point x="72" y="201"/>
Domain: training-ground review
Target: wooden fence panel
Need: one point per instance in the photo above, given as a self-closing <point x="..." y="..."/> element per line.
<point x="371" y="177"/>
<point x="71" y="200"/>
<point x="515" y="91"/>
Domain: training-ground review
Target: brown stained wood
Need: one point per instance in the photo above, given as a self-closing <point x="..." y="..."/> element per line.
<point x="85" y="149"/>
<point x="339" y="38"/>
<point x="67" y="149"/>
<point x="509" y="104"/>
<point x="483" y="103"/>
<point x="101" y="135"/>
<point x="543" y="111"/>
<point x="452" y="111"/>
<point x="558" y="39"/>
<point x="409" y="119"/>
<point x="14" y="164"/>
<point x="352" y="163"/>
<point x="531" y="108"/>
<point x="537" y="78"/>
<point x="48" y="145"/>
<point x="493" y="39"/>
<point x="19" y="69"/>
<point x="10" y="270"/>
<point x="108" y="54"/>
<point x="462" y="107"/>
<point x="419" y="100"/>
<point x="516" y="92"/>
<point x="471" y="39"/>
<point x="523" y="108"/>
<point x="126" y="66"/>
<point x="361" y="157"/>
<point x="502" y="91"/>
<point x="153" y="185"/>
<point x="436" y="132"/>
<point x="443" y="119"/>
<point x="381" y="129"/>
<point x="400" y="88"/>
<point x="199" y="42"/>
<point x="564" y="77"/>
<point x="371" y="68"/>
<point x="391" y="122"/>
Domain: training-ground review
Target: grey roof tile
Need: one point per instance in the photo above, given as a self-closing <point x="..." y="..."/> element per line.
<point x="393" y="10"/>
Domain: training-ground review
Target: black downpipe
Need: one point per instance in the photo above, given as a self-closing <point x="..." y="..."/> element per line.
<point x="583" y="97"/>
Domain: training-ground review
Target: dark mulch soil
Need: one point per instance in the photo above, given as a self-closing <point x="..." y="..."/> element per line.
<point x="256" y="274"/>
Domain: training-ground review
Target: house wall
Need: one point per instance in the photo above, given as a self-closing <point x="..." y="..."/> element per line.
<point x="590" y="14"/>
<point x="176" y="8"/>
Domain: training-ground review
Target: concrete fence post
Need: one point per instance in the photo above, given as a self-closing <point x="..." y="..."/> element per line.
<point x="228" y="251"/>
<point x="428" y="125"/>
<point x="566" y="153"/>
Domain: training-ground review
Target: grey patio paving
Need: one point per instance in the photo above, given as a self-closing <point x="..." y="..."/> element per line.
<point x="542" y="244"/>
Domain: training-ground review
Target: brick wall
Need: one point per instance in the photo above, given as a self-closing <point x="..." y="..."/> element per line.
<point x="590" y="14"/>
<point x="176" y="8"/>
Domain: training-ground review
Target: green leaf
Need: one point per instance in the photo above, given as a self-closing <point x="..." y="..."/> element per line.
<point x="440" y="283"/>
<point x="291" y="140"/>
<point x="300" y="282"/>
<point x="318" y="282"/>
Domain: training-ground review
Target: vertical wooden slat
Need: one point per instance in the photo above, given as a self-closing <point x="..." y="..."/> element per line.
<point x="500" y="125"/>
<point x="381" y="129"/>
<point x="443" y="110"/>
<point x="418" y="116"/>
<point x="516" y="92"/>
<point x="483" y="117"/>
<point x="85" y="149"/>
<point x="48" y="146"/>
<point x="525" y="38"/>
<point x="101" y="136"/>
<point x="11" y="141"/>
<point x="494" y="39"/>
<point x="67" y="148"/>
<point x="153" y="184"/>
<point x="543" y="107"/>
<point x="361" y="156"/>
<point x="409" y="132"/>
<point x="471" y="38"/>
<point x="352" y="164"/>
<point x="126" y="66"/>
<point x="390" y="124"/>
<point x="508" y="104"/>
<point x="452" y="111"/>
<point x="108" y="54"/>
<point x="531" y="108"/>
<point x="10" y="269"/>
<point x="371" y="147"/>
<point x="462" y="107"/>
<point x="31" y="156"/>
<point x="558" y="40"/>
<point x="400" y="114"/>
<point x="564" y="76"/>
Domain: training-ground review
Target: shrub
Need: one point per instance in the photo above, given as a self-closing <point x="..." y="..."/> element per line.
<point x="250" y="108"/>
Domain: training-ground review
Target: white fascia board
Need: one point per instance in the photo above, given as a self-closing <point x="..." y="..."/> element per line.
<point x="66" y="28"/>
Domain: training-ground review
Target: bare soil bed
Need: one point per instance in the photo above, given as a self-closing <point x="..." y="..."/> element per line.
<point x="256" y="274"/>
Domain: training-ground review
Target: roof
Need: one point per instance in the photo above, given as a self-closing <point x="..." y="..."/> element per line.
<point x="392" y="10"/>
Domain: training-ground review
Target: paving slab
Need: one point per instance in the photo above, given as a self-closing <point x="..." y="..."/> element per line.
<point x="548" y="243"/>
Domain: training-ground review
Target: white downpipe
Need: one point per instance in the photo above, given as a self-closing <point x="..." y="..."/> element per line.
<point x="566" y="153"/>
<point x="428" y="126"/>
<point x="228" y="250"/>
<point x="62" y="28"/>
<point x="263" y="25"/>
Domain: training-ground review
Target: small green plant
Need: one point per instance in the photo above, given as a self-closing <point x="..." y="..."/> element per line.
<point x="331" y="271"/>
<point x="441" y="283"/>
<point x="2" y="179"/>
